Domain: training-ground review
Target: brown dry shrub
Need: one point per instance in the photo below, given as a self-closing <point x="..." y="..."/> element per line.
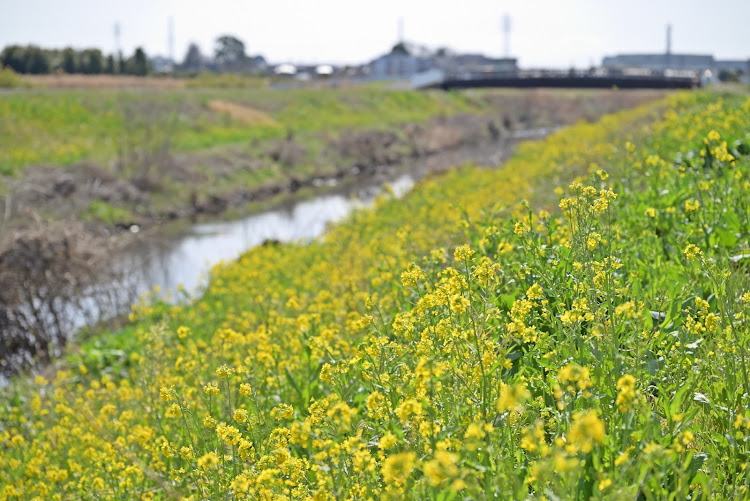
<point x="50" y="280"/>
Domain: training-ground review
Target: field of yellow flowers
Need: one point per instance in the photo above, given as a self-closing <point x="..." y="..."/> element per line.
<point x="459" y="343"/>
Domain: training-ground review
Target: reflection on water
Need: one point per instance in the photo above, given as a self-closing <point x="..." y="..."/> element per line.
<point x="186" y="260"/>
<point x="167" y="262"/>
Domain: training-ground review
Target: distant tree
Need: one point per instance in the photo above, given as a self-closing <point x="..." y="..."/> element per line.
<point x="37" y="61"/>
<point x="258" y="62"/>
<point x="400" y="48"/>
<point x="229" y="52"/>
<point x="120" y="63"/>
<point x="138" y="63"/>
<point x="729" y="76"/>
<point x="109" y="67"/>
<point x="92" y="61"/>
<point x="193" y="58"/>
<point x="68" y="60"/>
<point x="442" y="52"/>
<point x="14" y="57"/>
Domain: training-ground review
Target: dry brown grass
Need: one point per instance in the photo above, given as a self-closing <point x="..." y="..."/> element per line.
<point x="242" y="113"/>
<point x="63" y="81"/>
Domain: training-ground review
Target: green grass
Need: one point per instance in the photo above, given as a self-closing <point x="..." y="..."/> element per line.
<point x="107" y="213"/>
<point x="64" y="127"/>
<point x="9" y="79"/>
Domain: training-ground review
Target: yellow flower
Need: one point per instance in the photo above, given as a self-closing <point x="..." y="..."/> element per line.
<point x="442" y="468"/>
<point x="228" y="433"/>
<point x="241" y="484"/>
<point x="240" y="415"/>
<point x="282" y="411"/>
<point x="245" y="449"/>
<point x="326" y="373"/>
<point x="211" y="388"/>
<point x="627" y="395"/>
<point x="397" y="468"/>
<point x="474" y="431"/>
<point x="742" y="422"/>
<point x="692" y="252"/>
<point x="167" y="393"/>
<point x="408" y="408"/>
<point x="224" y="371"/>
<point x="387" y="441"/>
<point x="207" y="461"/>
<point x="573" y="373"/>
<point x="463" y="253"/>
<point x="512" y="397"/>
<point x="652" y="448"/>
<point x="521" y="228"/>
<point x="173" y="411"/>
<point x="605" y="483"/>
<point x="692" y="205"/>
<point x="340" y="413"/>
<point x="534" y="439"/>
<point x="586" y="431"/>
<point x="535" y="292"/>
<point x="412" y="276"/>
<point x="712" y="322"/>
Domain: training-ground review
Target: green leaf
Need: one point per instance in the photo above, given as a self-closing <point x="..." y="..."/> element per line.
<point x="696" y="462"/>
<point x="702" y="480"/>
<point x="726" y="238"/>
<point x="293" y="384"/>
<point x="678" y="399"/>
<point x="700" y="397"/>
<point x="507" y="300"/>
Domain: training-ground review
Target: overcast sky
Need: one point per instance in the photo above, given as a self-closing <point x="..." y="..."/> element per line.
<point x="544" y="33"/>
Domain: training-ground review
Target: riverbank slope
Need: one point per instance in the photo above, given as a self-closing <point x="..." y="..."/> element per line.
<point x="456" y="342"/>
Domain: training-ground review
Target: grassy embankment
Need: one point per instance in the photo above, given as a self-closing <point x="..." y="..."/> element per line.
<point x="63" y="127"/>
<point x="133" y="154"/>
<point x="448" y="345"/>
<point x="138" y="135"/>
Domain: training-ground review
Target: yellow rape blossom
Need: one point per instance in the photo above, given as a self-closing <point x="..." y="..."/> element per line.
<point x="397" y="468"/>
<point x="586" y="431"/>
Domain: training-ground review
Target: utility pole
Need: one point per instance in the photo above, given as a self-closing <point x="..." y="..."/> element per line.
<point x="117" y="38"/>
<point x="506" y="34"/>
<point x="119" y="65"/>
<point x="170" y="41"/>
